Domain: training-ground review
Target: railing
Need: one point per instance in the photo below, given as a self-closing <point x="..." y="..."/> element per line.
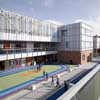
<point x="20" y="50"/>
<point x="6" y="54"/>
<point x="96" y="54"/>
<point x="72" y="93"/>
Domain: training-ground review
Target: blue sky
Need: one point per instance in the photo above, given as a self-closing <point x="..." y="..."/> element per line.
<point x="66" y="11"/>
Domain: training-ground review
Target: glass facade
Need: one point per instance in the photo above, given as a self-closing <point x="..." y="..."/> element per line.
<point x="78" y="36"/>
<point x="96" y="42"/>
<point x="71" y="36"/>
<point x="16" y="24"/>
<point x="86" y="37"/>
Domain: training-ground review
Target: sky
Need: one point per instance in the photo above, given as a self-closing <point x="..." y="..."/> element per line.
<point x="64" y="11"/>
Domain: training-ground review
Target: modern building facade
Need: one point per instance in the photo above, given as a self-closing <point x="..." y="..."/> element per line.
<point x="76" y="43"/>
<point x="96" y="46"/>
<point x="25" y="40"/>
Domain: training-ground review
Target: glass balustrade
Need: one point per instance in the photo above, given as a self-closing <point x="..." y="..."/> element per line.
<point x="25" y="50"/>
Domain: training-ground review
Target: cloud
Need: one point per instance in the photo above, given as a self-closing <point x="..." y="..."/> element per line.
<point x="49" y="3"/>
<point x="55" y="22"/>
<point x="95" y="23"/>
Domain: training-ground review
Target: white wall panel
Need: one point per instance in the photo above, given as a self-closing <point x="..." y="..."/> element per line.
<point x="24" y="55"/>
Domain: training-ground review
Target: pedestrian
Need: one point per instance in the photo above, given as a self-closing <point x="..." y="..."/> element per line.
<point x="46" y="75"/>
<point x="52" y="81"/>
<point x="65" y="85"/>
<point x="34" y="63"/>
<point x="57" y="82"/>
<point x="34" y="90"/>
<point x="39" y="66"/>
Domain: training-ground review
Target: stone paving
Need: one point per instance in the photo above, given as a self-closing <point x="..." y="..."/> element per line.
<point x="45" y="87"/>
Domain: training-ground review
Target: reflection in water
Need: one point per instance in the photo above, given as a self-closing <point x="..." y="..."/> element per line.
<point x="91" y="91"/>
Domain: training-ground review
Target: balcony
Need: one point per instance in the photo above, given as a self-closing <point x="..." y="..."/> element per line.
<point x="7" y="54"/>
<point x="26" y="37"/>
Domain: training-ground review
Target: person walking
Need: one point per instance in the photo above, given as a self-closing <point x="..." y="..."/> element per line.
<point x="52" y="80"/>
<point x="57" y="81"/>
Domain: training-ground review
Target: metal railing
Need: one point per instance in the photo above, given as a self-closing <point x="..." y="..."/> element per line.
<point x="7" y="54"/>
<point x="20" y="50"/>
<point x="71" y="93"/>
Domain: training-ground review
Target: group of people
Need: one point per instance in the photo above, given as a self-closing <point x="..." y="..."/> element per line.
<point x="45" y="74"/>
<point x="55" y="80"/>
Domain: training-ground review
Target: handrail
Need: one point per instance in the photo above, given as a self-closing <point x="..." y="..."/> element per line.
<point x="51" y="48"/>
<point x="79" y="85"/>
<point x="14" y="50"/>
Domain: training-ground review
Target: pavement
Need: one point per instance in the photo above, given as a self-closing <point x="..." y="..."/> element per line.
<point x="44" y="88"/>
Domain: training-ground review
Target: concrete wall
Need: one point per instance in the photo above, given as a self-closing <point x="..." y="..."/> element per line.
<point x="87" y="88"/>
<point x="90" y="91"/>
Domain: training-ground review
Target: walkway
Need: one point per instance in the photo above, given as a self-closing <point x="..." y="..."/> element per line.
<point x="44" y="88"/>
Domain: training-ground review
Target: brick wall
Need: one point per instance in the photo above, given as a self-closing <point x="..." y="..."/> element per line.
<point x="74" y="57"/>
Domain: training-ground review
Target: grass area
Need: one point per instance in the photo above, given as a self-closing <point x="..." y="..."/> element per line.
<point x="21" y="77"/>
<point x="72" y="65"/>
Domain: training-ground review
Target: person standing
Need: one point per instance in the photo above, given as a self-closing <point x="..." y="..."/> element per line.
<point x="46" y="75"/>
<point x="65" y="85"/>
<point x="35" y="65"/>
<point x="39" y="66"/>
<point x="34" y="90"/>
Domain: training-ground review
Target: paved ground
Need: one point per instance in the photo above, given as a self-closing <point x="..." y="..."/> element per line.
<point x="45" y="87"/>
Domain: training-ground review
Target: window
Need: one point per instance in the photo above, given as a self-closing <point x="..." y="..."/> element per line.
<point x="66" y="44"/>
<point x="64" y="32"/>
<point x="83" y="57"/>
